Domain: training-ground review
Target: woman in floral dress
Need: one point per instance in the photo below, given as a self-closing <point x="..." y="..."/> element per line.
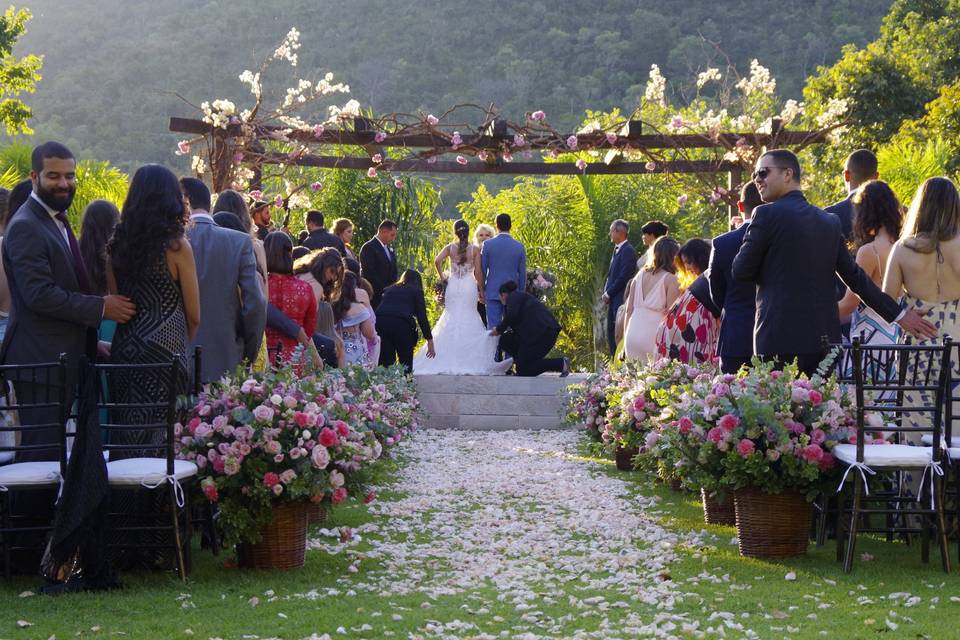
<point x="690" y="330"/>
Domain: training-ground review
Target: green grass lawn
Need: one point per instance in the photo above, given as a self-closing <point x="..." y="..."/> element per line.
<point x="893" y="594"/>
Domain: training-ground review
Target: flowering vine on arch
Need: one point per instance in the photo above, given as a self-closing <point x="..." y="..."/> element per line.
<point x="244" y="148"/>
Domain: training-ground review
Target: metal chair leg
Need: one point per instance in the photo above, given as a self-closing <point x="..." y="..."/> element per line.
<point x="5" y="535"/>
<point x="938" y="498"/>
<point x="854" y="517"/>
<point x="822" y="519"/>
<point x="181" y="565"/>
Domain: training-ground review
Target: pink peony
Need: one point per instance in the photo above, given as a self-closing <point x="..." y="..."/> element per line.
<point x="745" y="447"/>
<point x="815" y="397"/>
<point x="715" y="435"/>
<point x="328" y="437"/>
<point x="263" y="413"/>
<point x="339" y="495"/>
<point x="812" y="453"/>
<point x="538" y="116"/>
<point x="320" y="457"/>
<point x="818" y="436"/>
<point x="685" y="425"/>
<point x="301" y="419"/>
<point x="270" y="478"/>
<point x="343" y="429"/>
<point x="336" y="479"/>
<point x="728" y="422"/>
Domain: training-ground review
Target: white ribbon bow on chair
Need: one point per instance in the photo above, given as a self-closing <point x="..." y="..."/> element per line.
<point x="937" y="469"/>
<point x="863" y="469"/>
<point x="177" y="489"/>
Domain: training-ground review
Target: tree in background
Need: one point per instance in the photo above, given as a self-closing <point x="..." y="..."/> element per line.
<point x="17" y="75"/>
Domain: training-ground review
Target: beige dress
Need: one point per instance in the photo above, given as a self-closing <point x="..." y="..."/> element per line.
<point x="645" y="315"/>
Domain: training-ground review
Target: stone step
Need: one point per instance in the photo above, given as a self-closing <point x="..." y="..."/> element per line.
<point x="493" y="402"/>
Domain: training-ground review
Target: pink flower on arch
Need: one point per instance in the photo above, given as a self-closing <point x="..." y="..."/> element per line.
<point x="183" y="148"/>
<point x="745" y="447"/>
<point x="461" y="160"/>
<point x="278" y="201"/>
<point x="676" y="122"/>
<point x="611" y="138"/>
<point x="538" y="116"/>
<point x="572" y="142"/>
<point x="398" y="183"/>
<point x="372" y="172"/>
<point x="380" y="136"/>
<point x="650" y="166"/>
<point x="432" y="120"/>
<point x="315" y="186"/>
<point x="376" y="158"/>
<point x="318" y="131"/>
<point x="581" y="164"/>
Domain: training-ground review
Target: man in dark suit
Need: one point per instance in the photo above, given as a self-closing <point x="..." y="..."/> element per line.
<point x="792" y="251"/>
<point x="230" y="290"/>
<point x="861" y="166"/>
<point x="319" y="237"/>
<point x="378" y="261"/>
<point x="52" y="310"/>
<point x="533" y="333"/>
<point x="735" y="299"/>
<point x="623" y="266"/>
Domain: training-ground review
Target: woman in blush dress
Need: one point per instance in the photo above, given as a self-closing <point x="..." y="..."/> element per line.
<point x="343" y="229"/>
<point x="690" y="331"/>
<point x="655" y="289"/>
<point x="288" y="293"/>
<point x="876" y="226"/>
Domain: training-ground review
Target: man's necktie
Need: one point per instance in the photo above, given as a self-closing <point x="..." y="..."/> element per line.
<point x="79" y="268"/>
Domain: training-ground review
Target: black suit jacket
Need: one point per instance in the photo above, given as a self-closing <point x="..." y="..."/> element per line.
<point x="736" y="299"/>
<point x="407" y="303"/>
<point x="49" y="314"/>
<point x="379" y="270"/>
<point x="527" y="316"/>
<point x="622" y="268"/>
<point x="321" y="239"/>
<point x="793" y="251"/>
<point x="844" y="211"/>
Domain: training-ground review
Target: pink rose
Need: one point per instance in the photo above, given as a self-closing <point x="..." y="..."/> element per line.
<point x="380" y="137"/>
<point x="277" y="489"/>
<point x="745" y="447"/>
<point x="812" y="453"/>
<point x="728" y="422"/>
<point x="263" y="413"/>
<point x="538" y="116"/>
<point x="377" y="158"/>
<point x="288" y="476"/>
<point x="193" y="424"/>
<point x="278" y="458"/>
<point x="336" y="479"/>
<point x="826" y="462"/>
<point x="343" y="429"/>
<point x="270" y="478"/>
<point x="273" y="446"/>
<point x="339" y="495"/>
<point x="639" y="403"/>
<point x="794" y="427"/>
<point x="209" y="489"/>
<point x="685" y="425"/>
<point x="301" y="419"/>
<point x="432" y="120"/>
<point x="650" y="165"/>
<point x="320" y="457"/>
<point x="328" y="438"/>
<point x="815" y="397"/>
<point x="203" y="430"/>
<point x="371" y="173"/>
<point x="715" y="435"/>
<point x="818" y="436"/>
<point x="295" y="453"/>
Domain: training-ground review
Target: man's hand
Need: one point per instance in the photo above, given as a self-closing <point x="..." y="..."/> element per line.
<point x="605" y="298"/>
<point x="494" y="332"/>
<point x="119" y="308"/>
<point x="914" y="324"/>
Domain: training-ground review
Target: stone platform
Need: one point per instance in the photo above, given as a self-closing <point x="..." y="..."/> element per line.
<point x="493" y="402"/>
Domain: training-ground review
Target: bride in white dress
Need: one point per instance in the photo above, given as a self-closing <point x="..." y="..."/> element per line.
<point x="462" y="344"/>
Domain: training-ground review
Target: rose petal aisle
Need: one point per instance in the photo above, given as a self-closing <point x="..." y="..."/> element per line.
<point x="516" y="520"/>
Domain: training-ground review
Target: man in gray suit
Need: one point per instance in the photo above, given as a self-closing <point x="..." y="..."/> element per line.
<point x="53" y="309"/>
<point x="233" y="306"/>
<point x="502" y="259"/>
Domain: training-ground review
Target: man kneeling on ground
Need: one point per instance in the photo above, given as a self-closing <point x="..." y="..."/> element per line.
<point x="528" y="332"/>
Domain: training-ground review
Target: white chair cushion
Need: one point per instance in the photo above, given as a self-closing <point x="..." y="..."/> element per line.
<point x="879" y="456"/>
<point x="927" y="440"/>
<point x="21" y="474"/>
<point x="138" y="471"/>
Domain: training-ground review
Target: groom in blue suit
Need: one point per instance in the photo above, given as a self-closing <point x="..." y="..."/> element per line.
<point x="623" y="266"/>
<point x="502" y="259"/>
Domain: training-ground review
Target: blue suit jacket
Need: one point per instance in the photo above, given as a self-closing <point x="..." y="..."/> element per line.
<point x="502" y="259"/>
<point x="735" y="299"/>
<point x="622" y="268"/>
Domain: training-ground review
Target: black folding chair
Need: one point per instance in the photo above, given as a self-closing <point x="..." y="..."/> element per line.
<point x="142" y="455"/>
<point x="33" y="453"/>
<point x="906" y="386"/>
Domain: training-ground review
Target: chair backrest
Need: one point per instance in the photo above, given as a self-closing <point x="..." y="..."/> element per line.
<point x="906" y="384"/>
<point x="140" y="403"/>
<point x="952" y="400"/>
<point x="41" y="406"/>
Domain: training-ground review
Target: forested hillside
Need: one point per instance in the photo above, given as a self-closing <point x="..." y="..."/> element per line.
<point x="110" y="65"/>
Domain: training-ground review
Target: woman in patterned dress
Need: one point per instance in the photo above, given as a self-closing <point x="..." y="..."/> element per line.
<point x="354" y="322"/>
<point x="876" y="225"/>
<point x="288" y="293"/>
<point x="691" y="328"/>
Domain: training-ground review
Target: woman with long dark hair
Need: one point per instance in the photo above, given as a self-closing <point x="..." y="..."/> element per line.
<point x="354" y="322"/>
<point x="691" y="328"/>
<point x="150" y="261"/>
<point x="288" y="293"/>
<point x="401" y="308"/>
<point x="343" y="229"/>
<point x="876" y="226"/>
<point x="323" y="271"/>
<point x="99" y="220"/>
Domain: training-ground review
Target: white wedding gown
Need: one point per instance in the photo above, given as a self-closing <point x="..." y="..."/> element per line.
<point x="462" y="344"/>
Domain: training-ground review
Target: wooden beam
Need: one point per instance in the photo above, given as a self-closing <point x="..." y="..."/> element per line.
<point x="506" y="168"/>
<point x="634" y="140"/>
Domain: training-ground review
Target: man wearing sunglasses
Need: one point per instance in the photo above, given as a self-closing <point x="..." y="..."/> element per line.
<point x="792" y="252"/>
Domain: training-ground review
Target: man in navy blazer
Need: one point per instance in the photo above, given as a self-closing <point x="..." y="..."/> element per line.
<point x="623" y="266"/>
<point x="735" y="299"/>
<point x="502" y="259"/>
<point x="793" y="251"/>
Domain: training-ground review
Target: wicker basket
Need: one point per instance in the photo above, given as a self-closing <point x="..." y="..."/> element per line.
<point x="624" y="458"/>
<point x="316" y="514"/>
<point x="284" y="542"/>
<point x="717" y="511"/>
<point x="772" y="526"/>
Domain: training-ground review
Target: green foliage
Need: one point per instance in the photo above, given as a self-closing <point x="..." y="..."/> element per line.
<point x="17" y="75"/>
<point x="905" y="165"/>
<point x="939" y="125"/>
